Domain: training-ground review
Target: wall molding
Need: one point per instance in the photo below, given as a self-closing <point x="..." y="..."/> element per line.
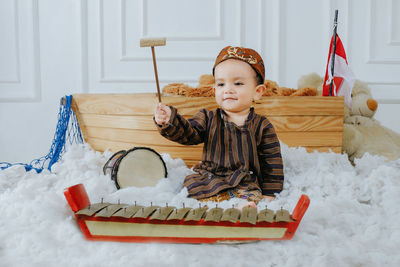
<point x="392" y="15"/>
<point x="149" y="79"/>
<point x="84" y="46"/>
<point x="101" y="39"/>
<point x="33" y="94"/>
<point x="17" y="44"/>
<point x="388" y="101"/>
<point x="261" y="23"/>
<point x="385" y="100"/>
<point x="371" y="22"/>
<point x="279" y="20"/>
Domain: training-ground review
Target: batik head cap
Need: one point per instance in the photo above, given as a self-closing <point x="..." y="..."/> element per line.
<point x="247" y="55"/>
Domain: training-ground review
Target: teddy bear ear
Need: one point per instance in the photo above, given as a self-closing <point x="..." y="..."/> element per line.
<point x="185" y="90"/>
<point x="172" y="88"/>
<point x="307" y="91"/>
<point x="206" y="79"/>
<point x="360" y="87"/>
<point x="284" y="91"/>
<point x="312" y="80"/>
<point x="271" y="88"/>
<point x="268" y="92"/>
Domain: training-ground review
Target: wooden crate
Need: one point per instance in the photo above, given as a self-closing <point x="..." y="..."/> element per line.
<point x="122" y="121"/>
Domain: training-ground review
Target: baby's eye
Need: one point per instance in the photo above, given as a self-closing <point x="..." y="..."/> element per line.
<point x="220" y="84"/>
<point x="238" y="83"/>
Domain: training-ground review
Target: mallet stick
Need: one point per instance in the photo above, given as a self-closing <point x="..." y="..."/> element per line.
<point x="152" y="42"/>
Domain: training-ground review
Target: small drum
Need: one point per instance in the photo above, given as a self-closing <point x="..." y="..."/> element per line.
<point x="139" y="167"/>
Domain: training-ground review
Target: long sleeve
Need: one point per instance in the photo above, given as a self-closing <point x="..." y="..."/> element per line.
<point x="270" y="162"/>
<point x="183" y="131"/>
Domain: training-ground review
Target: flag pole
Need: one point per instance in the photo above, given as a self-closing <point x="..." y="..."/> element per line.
<point x="333" y="51"/>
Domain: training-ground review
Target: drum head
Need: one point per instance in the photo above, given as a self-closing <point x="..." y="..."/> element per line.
<point x="140" y="167"/>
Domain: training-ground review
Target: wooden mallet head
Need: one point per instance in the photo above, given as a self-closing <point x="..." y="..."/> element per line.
<point x="152" y="42"/>
<point x="149" y="42"/>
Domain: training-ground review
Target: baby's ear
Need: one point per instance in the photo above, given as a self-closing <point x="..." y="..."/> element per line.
<point x="260" y="89"/>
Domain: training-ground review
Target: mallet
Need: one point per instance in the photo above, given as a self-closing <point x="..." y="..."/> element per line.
<point x="152" y="42"/>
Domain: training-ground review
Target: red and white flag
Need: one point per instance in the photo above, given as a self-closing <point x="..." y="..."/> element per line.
<point x="343" y="78"/>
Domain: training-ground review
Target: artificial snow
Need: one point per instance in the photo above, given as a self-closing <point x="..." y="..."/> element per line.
<point x="353" y="218"/>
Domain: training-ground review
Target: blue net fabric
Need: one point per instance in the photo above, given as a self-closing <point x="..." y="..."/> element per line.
<point x="67" y="130"/>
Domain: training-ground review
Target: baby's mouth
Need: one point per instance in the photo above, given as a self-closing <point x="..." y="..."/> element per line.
<point x="230" y="98"/>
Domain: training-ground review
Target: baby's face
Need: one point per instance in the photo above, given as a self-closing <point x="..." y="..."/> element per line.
<point x="235" y="85"/>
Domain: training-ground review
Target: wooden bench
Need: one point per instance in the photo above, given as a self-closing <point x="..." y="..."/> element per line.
<point x="123" y="121"/>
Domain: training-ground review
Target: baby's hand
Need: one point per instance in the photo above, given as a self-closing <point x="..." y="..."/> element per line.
<point x="269" y="198"/>
<point x="162" y="113"/>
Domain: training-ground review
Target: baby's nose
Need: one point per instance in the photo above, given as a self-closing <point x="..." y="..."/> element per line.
<point x="229" y="90"/>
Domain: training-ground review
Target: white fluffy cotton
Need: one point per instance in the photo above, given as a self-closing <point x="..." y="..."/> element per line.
<point x="353" y="218"/>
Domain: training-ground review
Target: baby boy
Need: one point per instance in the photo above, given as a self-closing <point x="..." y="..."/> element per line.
<point x="241" y="154"/>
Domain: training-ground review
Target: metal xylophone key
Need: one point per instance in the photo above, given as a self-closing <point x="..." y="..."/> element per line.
<point x="249" y="215"/>
<point x="162" y="213"/>
<point x="231" y="215"/>
<point x="214" y="215"/>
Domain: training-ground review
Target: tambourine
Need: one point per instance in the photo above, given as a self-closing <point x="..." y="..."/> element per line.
<point x="138" y="167"/>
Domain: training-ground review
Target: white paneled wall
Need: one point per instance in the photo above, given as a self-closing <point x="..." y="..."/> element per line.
<point x="50" y="48"/>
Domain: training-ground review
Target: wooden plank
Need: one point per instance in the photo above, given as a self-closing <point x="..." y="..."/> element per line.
<point x="295" y="139"/>
<point x="270" y="106"/>
<point x="82" y="126"/>
<point x="140" y="137"/>
<point x="281" y="123"/>
<point x="149" y="138"/>
<point x="307" y="123"/>
<point x="143" y="104"/>
<point x="300" y="105"/>
<point x="139" y="122"/>
<point x="185" y="152"/>
<point x="128" y="104"/>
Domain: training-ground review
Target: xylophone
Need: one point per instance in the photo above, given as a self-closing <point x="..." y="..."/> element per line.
<point x="135" y="223"/>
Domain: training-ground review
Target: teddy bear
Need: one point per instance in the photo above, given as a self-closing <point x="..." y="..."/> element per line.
<point x="273" y="89"/>
<point x="206" y="88"/>
<point x="362" y="133"/>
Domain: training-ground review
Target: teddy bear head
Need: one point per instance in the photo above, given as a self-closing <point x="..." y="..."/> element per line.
<point x="362" y="102"/>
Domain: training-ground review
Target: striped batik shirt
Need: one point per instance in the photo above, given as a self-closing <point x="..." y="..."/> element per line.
<point x="248" y="156"/>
